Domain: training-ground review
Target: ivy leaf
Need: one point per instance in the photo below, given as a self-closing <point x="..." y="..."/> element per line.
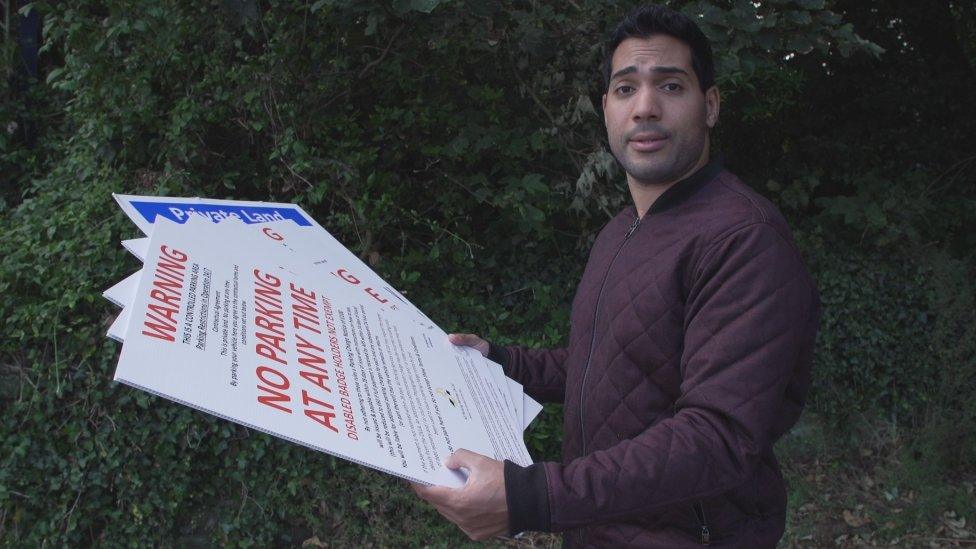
<point x="799" y="17"/>
<point x="811" y="4"/>
<point x="422" y="6"/>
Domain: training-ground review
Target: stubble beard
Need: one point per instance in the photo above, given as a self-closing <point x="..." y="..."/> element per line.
<point x="645" y="170"/>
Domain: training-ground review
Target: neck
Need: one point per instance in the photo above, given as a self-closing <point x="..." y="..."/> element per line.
<point x="646" y="194"/>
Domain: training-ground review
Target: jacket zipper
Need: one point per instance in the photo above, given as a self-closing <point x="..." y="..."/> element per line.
<point x="706" y="536"/>
<point x="596" y="313"/>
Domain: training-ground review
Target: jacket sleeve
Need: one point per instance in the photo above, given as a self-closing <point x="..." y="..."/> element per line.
<point x="542" y="372"/>
<point x="750" y="324"/>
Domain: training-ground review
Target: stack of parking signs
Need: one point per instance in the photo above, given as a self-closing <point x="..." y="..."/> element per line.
<point x="252" y="312"/>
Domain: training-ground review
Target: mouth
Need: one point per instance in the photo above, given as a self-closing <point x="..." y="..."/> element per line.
<point x="647" y="142"/>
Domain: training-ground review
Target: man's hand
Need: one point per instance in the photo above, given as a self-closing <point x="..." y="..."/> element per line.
<point x="470" y="340"/>
<point x="479" y="507"/>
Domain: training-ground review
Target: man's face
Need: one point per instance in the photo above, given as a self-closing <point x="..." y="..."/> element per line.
<point x="656" y="115"/>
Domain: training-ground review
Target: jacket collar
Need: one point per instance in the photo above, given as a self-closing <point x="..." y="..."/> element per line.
<point x="681" y="190"/>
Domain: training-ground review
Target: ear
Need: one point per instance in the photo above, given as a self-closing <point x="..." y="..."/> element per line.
<point x="604" y="109"/>
<point x="713" y="103"/>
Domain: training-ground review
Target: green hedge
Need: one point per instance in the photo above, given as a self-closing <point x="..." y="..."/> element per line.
<point x="896" y="335"/>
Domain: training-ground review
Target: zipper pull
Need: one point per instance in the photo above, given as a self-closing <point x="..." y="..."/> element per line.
<point x="633" y="227"/>
<point x="706" y="536"/>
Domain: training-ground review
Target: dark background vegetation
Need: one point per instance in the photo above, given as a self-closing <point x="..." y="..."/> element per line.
<point x="455" y="146"/>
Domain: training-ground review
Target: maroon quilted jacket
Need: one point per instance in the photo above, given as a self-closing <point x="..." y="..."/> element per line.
<point x="689" y="356"/>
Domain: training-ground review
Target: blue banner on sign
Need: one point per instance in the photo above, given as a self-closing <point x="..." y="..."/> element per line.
<point x="217" y="212"/>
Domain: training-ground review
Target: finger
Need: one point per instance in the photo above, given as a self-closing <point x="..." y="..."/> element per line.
<point x="417" y="488"/>
<point x="425" y="492"/>
<point x="446" y="514"/>
<point x="436" y="495"/>
<point x="481" y="532"/>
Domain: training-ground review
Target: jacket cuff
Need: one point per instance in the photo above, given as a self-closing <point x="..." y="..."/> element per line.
<point x="527" y="495"/>
<point x="499" y="354"/>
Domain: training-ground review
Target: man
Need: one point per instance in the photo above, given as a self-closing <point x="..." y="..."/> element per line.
<point x="691" y="340"/>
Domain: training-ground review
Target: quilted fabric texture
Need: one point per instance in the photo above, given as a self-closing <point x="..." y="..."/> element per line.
<point x="689" y="356"/>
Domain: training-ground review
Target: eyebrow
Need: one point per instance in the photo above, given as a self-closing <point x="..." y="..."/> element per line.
<point x="657" y="70"/>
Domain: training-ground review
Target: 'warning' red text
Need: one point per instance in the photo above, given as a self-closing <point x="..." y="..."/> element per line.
<point x="165" y="295"/>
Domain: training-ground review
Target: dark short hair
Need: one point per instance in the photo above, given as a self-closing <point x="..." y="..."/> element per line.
<point x="647" y="21"/>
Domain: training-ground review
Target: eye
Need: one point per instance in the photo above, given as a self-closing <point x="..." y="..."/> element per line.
<point x="671" y="87"/>
<point x="625" y="89"/>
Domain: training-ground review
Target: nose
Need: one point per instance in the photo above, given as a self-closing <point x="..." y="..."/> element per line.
<point x="647" y="105"/>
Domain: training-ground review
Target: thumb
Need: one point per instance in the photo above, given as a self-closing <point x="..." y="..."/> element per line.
<point x="469" y="340"/>
<point x="462" y="458"/>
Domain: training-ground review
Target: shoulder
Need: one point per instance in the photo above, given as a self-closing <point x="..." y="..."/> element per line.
<point x="728" y="206"/>
<point x="734" y="227"/>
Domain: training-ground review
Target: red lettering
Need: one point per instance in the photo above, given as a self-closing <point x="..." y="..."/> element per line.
<point x="298" y="293"/>
<point x="173" y="253"/>
<point x="168" y="312"/>
<point x="282" y="384"/>
<point x="375" y="295"/>
<point x="167" y="287"/>
<point x="276" y="390"/>
<point x="171" y="300"/>
<point x="304" y="310"/>
<point x="261" y="308"/>
<point x="274" y="327"/>
<point x="158" y="328"/>
<point x="344" y="274"/>
<point x="322" y="417"/>
<point x="272" y="234"/>
<point x="268" y="295"/>
<point x="317" y="379"/>
<point x="307" y="358"/>
<point x="168" y="283"/>
<point x="303" y="343"/>
<point x="268" y="279"/>
<point x="269" y="351"/>
<point x="297" y="322"/>
<point x="171" y="268"/>
<point x="268" y="315"/>
<point x="273" y="399"/>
